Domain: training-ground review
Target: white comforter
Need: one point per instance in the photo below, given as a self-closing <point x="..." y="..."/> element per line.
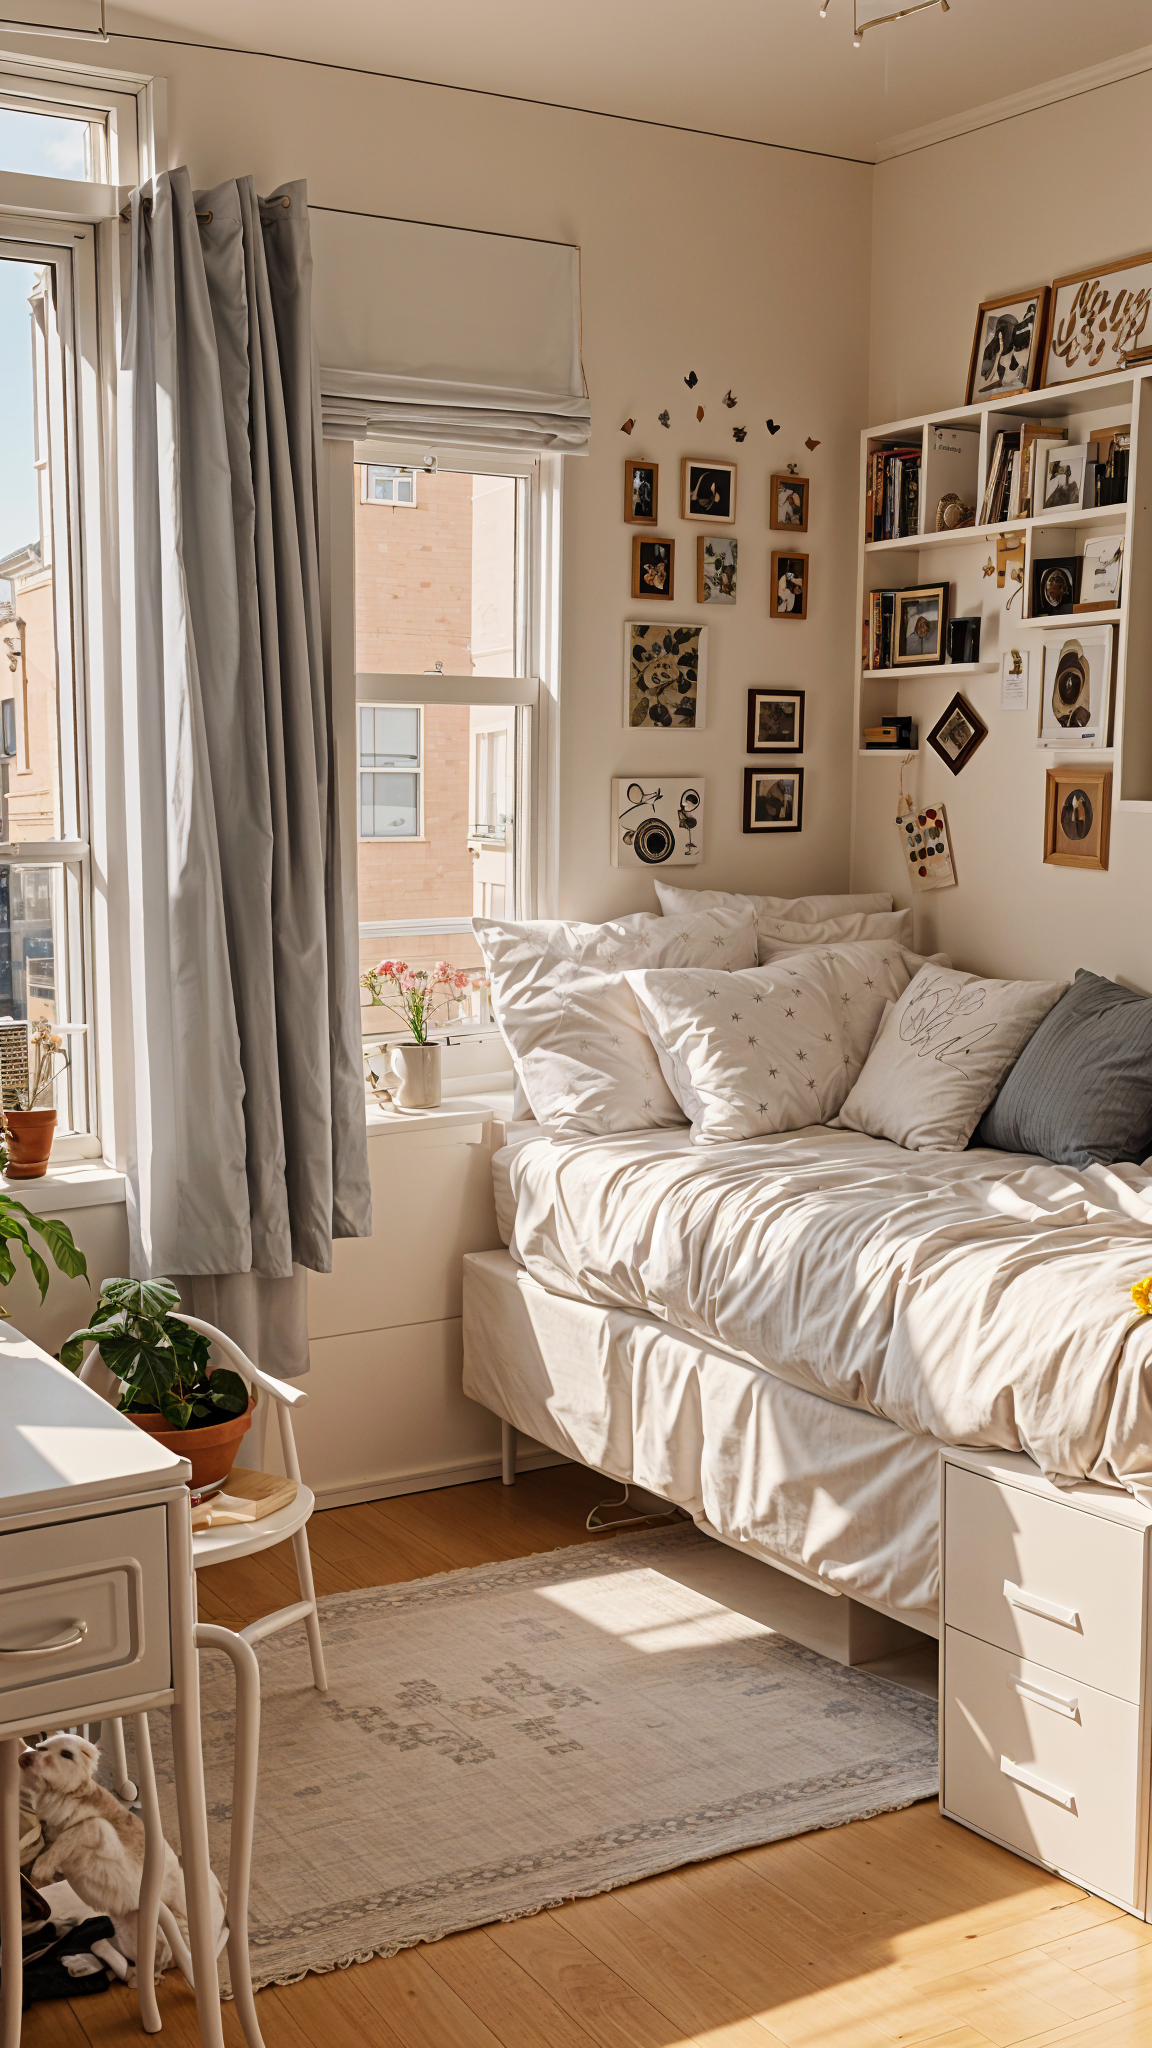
<point x="979" y="1297"/>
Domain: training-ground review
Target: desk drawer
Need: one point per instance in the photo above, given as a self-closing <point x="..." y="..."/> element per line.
<point x="1045" y="1765"/>
<point x="1045" y="1581"/>
<point x="83" y="1613"/>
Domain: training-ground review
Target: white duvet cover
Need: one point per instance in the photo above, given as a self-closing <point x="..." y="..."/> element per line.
<point x="980" y="1298"/>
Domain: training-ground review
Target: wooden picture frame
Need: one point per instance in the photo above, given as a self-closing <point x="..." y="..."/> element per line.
<point x="994" y="339"/>
<point x="788" y="580"/>
<point x="780" y="488"/>
<point x="653" y="568"/>
<point x="957" y="733"/>
<point x="708" y="491"/>
<point x="931" y="602"/>
<point x="1091" y="324"/>
<point x="1077" y="816"/>
<point x="775" y="721"/>
<point x="641" y="494"/>
<point x="665" y="675"/>
<point x="716" y="568"/>
<point x="773" y="799"/>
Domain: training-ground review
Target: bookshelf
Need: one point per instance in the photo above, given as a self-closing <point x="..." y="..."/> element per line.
<point x="957" y="458"/>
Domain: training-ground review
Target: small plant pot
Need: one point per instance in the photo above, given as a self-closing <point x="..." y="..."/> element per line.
<point x="210" y="1451"/>
<point x="417" y="1071"/>
<point x="30" y="1133"/>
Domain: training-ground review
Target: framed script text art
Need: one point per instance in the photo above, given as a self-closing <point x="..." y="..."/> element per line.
<point x="1095" y="317"/>
<point x="1077" y="817"/>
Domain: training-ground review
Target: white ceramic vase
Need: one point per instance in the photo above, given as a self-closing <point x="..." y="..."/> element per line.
<point x="417" y="1072"/>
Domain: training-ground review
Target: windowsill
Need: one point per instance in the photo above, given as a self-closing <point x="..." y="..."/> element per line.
<point x="475" y="1109"/>
<point x="69" y="1184"/>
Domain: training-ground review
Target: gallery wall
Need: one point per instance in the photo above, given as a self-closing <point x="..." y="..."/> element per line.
<point x="972" y="218"/>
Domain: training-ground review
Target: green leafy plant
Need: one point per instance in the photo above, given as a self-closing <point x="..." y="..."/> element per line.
<point x="15" y="1222"/>
<point x="161" y="1364"/>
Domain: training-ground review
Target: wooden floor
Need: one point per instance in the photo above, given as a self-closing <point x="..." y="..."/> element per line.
<point x="899" y="1929"/>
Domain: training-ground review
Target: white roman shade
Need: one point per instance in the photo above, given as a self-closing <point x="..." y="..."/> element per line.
<point x="447" y="333"/>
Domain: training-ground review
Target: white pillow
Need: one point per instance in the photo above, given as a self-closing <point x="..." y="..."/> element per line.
<point x="784" y="935"/>
<point x="570" y="1020"/>
<point x="675" y="901"/>
<point x="940" y="1056"/>
<point x="772" y="1048"/>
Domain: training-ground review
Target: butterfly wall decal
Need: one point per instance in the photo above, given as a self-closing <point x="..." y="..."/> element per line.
<point x="699" y="412"/>
<point x="773" y="426"/>
<point x="665" y="419"/>
<point x="739" y="433"/>
<point x="691" y="380"/>
<point x="811" y="445"/>
<point x="628" y="426"/>
<point x="729" y="400"/>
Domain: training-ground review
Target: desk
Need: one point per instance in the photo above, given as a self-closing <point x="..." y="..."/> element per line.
<point x="97" y="1613"/>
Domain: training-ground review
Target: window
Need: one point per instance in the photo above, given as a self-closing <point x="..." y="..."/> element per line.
<point x="491" y="806"/>
<point x="390" y="771"/>
<point x="381" y="485"/>
<point x="47" y="142"/>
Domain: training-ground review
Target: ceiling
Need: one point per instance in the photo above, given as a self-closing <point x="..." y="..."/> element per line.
<point x="767" y="70"/>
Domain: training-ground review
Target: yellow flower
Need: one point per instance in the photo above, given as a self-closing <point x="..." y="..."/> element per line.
<point x="1142" y="1295"/>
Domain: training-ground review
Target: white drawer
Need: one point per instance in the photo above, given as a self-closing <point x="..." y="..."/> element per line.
<point x="1054" y="1583"/>
<point x="96" y="1592"/>
<point x="1046" y="1766"/>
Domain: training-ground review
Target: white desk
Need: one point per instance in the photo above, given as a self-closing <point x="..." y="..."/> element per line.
<point x="97" y="1611"/>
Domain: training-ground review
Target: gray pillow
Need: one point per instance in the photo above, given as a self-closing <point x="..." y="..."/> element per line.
<point x="1081" y="1090"/>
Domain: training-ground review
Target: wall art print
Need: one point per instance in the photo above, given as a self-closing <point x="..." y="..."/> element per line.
<point x="657" y="821"/>
<point x="925" y="847"/>
<point x="1095" y="317"/>
<point x="665" y="675"/>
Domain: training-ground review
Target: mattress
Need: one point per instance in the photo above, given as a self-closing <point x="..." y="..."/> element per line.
<point x="967" y="1298"/>
<point x="830" y="1492"/>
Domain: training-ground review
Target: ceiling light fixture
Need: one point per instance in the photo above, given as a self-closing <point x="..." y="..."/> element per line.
<point x="860" y="28"/>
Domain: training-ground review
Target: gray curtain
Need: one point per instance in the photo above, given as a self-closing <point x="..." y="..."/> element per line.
<point x="247" y="1154"/>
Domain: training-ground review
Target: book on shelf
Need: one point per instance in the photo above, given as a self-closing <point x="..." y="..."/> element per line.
<point x="892" y="493"/>
<point x="1108" y="451"/>
<point x="994" y="509"/>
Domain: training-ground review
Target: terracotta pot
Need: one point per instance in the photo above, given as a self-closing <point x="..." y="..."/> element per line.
<point x="210" y="1451"/>
<point x="30" y="1133"/>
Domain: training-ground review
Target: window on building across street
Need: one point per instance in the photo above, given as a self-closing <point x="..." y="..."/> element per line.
<point x="382" y="485"/>
<point x="390" y="771"/>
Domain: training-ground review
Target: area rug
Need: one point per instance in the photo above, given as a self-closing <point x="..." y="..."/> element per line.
<point x="501" y="1739"/>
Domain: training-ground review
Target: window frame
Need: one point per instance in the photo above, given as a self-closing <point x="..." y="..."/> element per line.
<point x="392" y="838"/>
<point x="393" y="469"/>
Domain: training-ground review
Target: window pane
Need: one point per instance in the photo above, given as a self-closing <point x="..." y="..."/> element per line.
<point x="389" y="736"/>
<point x="389" y="806"/>
<point x="28" y="944"/>
<point x="436" y="574"/>
<point x="44" y="145"/>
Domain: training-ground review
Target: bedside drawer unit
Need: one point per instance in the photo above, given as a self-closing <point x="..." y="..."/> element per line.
<point x="83" y="1614"/>
<point x="1043" y="1763"/>
<point x="1044" y="1579"/>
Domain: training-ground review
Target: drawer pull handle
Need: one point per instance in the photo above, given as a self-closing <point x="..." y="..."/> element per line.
<point x="1059" y="1702"/>
<point x="68" y="1639"/>
<point x="1034" y="1603"/>
<point x="1035" y="1784"/>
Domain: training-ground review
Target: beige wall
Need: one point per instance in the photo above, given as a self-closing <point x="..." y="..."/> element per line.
<point x="976" y="217"/>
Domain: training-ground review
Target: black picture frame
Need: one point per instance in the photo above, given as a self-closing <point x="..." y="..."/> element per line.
<point x="756" y="801"/>
<point x="757" y="743"/>
<point x="956" y="715"/>
<point x="1052" y="599"/>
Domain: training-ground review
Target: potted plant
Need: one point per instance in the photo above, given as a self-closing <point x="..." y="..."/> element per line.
<point x="15" y="1223"/>
<point x="30" y="1127"/>
<point x="167" y="1385"/>
<point x="417" y="993"/>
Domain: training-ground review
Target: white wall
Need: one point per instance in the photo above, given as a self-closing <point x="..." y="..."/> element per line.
<point x="967" y="220"/>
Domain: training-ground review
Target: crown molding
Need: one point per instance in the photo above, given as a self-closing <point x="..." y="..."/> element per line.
<point x="1050" y="94"/>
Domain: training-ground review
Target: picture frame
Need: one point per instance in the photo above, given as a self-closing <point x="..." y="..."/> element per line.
<point x="1077" y="817"/>
<point x="1062" y="483"/>
<point x="1076" y="687"/>
<point x="1095" y="317"/>
<point x="708" y="491"/>
<point x="788" y="587"/>
<point x="957" y="733"/>
<point x="1102" y="574"/>
<point x="919" y="624"/>
<point x="926" y="846"/>
<point x="665" y="675"/>
<point x="716" y="559"/>
<point x="1007" y="345"/>
<point x="773" y="799"/>
<point x="788" y="503"/>
<point x="1014" y="665"/>
<point x="641" y="492"/>
<point x="1054" y="585"/>
<point x="657" y="821"/>
<point x="653" y="568"/>
<point x="775" y="721"/>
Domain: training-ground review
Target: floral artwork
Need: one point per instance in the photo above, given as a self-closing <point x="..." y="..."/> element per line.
<point x="715" y="569"/>
<point x="666" y="675"/>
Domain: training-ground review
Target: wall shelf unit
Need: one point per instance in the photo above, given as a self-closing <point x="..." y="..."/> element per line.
<point x="965" y="558"/>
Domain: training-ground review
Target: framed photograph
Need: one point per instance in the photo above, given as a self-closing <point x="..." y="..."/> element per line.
<point x="925" y="847"/>
<point x="1062" y="483"/>
<point x="773" y="799"/>
<point x="665" y="675"/>
<point x="788" y="587"/>
<point x="641" y="493"/>
<point x="919" y="620"/>
<point x="1102" y="574"/>
<point x="708" y="491"/>
<point x="653" y="567"/>
<point x="775" y="721"/>
<point x="657" y="821"/>
<point x="1076" y="688"/>
<point x="1054" y="586"/>
<point x="1014" y="679"/>
<point x="788" y="504"/>
<point x="716" y="569"/>
<point x="957" y="733"/>
<point x="1006" y="345"/>
<point x="1077" y="817"/>
<point x="1095" y="317"/>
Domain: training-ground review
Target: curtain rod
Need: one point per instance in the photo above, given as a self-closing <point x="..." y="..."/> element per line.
<point x="203" y="218"/>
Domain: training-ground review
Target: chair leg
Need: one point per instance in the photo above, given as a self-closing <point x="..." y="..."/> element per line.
<point x="122" y="1784"/>
<point x="311" y="1621"/>
<point x="508" y="1453"/>
<point x="152" y="1880"/>
<point x="247" y="1669"/>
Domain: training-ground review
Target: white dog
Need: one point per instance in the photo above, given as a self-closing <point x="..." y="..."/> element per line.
<point x="96" y="1843"/>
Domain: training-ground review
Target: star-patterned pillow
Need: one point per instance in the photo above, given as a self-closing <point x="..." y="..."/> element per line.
<point x="771" y="1048"/>
<point x="570" y="1021"/>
